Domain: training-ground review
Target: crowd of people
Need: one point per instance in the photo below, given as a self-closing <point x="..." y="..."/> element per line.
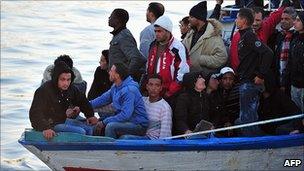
<point x="170" y="87"/>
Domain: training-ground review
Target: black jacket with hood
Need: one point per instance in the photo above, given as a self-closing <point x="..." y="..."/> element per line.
<point x="191" y="106"/>
<point x="50" y="103"/>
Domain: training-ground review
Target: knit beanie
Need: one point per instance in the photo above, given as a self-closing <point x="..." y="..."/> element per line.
<point x="199" y="11"/>
<point x="301" y="16"/>
<point x="164" y="22"/>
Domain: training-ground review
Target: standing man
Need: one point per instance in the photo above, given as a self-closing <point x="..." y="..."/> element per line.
<point x="282" y="46"/>
<point x="130" y="116"/>
<point x="255" y="60"/>
<point x="204" y="43"/>
<point x="263" y="28"/>
<point x="123" y="48"/>
<point x="147" y="35"/>
<point x="167" y="57"/>
<point x="56" y="101"/>
<point x="295" y="68"/>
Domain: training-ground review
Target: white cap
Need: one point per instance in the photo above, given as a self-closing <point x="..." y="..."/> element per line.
<point x="226" y="70"/>
<point x="164" y="22"/>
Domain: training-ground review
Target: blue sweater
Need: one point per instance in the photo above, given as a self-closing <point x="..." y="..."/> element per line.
<point x="127" y="101"/>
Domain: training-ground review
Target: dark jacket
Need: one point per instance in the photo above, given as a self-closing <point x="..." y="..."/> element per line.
<point x="50" y="104"/>
<point x="277" y="105"/>
<point x="295" y="68"/>
<point x="255" y="57"/>
<point x="278" y="43"/>
<point x="123" y="49"/>
<point x="101" y="83"/>
<point x="224" y="106"/>
<point x="191" y="108"/>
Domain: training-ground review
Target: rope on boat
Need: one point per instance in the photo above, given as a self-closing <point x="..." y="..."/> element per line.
<point x="239" y="126"/>
<point x="237" y="9"/>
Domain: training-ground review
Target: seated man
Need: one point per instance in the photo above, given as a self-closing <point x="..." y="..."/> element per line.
<point x="192" y="106"/>
<point x="51" y="103"/>
<point x="78" y="81"/>
<point x="101" y="82"/>
<point x="224" y="101"/>
<point x="158" y="110"/>
<point x="130" y="116"/>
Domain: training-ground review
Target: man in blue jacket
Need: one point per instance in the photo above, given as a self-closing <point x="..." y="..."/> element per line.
<point x="130" y="116"/>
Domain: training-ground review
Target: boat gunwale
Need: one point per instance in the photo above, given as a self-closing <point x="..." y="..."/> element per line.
<point x="237" y="143"/>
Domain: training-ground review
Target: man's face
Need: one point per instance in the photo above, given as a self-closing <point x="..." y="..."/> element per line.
<point x="113" y="21"/>
<point x="200" y="84"/>
<point x="103" y="62"/>
<point x="298" y="25"/>
<point x="154" y="87"/>
<point x="113" y="75"/>
<point x="161" y="34"/>
<point x="193" y="21"/>
<point x="227" y="81"/>
<point x="148" y="16"/>
<point x="257" y="23"/>
<point x="64" y="81"/>
<point x="286" y="21"/>
<point x="184" y="28"/>
<point x="240" y="22"/>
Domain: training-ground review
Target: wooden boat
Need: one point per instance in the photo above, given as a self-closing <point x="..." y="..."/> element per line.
<point x="70" y="151"/>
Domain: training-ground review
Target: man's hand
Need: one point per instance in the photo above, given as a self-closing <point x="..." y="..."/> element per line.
<point x="188" y="132"/>
<point x="48" y="134"/>
<point x="258" y="81"/>
<point x="220" y="2"/>
<point x="92" y="120"/>
<point x="99" y="128"/>
<point x="72" y="112"/>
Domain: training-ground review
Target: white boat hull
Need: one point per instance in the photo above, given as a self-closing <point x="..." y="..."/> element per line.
<point x="256" y="159"/>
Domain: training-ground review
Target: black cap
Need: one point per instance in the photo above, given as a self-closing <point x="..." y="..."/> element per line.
<point x="301" y="16"/>
<point x="199" y="11"/>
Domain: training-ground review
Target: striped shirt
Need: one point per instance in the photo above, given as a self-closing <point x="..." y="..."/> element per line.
<point x="160" y="118"/>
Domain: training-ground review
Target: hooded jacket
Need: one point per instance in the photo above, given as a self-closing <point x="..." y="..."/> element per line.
<point x="127" y="101"/>
<point x="209" y="52"/>
<point x="191" y="106"/>
<point x="78" y="81"/>
<point x="50" y="103"/>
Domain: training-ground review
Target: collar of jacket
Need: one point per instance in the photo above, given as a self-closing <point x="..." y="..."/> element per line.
<point x="245" y="30"/>
<point x="214" y="28"/>
<point x="115" y="32"/>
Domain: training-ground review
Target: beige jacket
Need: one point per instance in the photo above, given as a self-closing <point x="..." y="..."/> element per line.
<point x="209" y="52"/>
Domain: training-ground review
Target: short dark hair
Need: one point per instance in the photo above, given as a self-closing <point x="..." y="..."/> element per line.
<point x="122" y="15"/>
<point x="156" y="8"/>
<point x="105" y="53"/>
<point x="186" y="20"/>
<point x="66" y="59"/>
<point x="257" y="10"/>
<point x="247" y="14"/>
<point x="291" y="11"/>
<point x="122" y="70"/>
<point x="155" y="76"/>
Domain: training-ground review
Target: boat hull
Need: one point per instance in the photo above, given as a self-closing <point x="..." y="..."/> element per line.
<point x="257" y="159"/>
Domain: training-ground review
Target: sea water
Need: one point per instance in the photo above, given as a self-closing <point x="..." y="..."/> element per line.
<point x="35" y="33"/>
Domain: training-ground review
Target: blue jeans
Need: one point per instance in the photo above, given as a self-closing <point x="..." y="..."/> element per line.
<point x="297" y="96"/>
<point x="75" y="126"/>
<point x="117" y="129"/>
<point x="249" y="103"/>
<point x="134" y="137"/>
